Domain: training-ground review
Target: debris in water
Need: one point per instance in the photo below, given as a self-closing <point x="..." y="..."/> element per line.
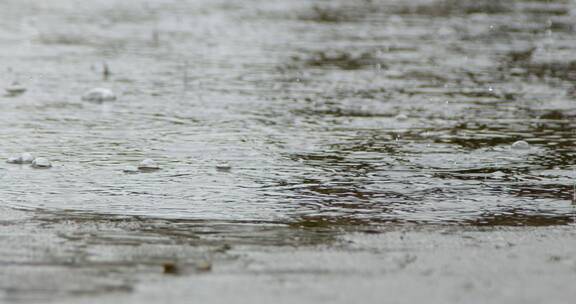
<point x="99" y="95"/>
<point x="24" y="158"/>
<point x="170" y="268"/>
<point x="223" y="167"/>
<point x="148" y="164"/>
<point x="524" y="55"/>
<point x="15" y="89"/>
<point x="41" y="162"/>
<point x="520" y="145"/>
<point x="223" y="248"/>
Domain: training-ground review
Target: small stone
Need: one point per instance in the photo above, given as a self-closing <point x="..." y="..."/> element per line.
<point x="148" y="164"/>
<point x="99" y="95"/>
<point x="15" y="89"/>
<point x="130" y="169"/>
<point x="401" y="117"/>
<point x="41" y="162"/>
<point x="223" y="167"/>
<point x="520" y="145"/>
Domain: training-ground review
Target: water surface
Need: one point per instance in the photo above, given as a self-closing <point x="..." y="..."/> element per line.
<point x="302" y="98"/>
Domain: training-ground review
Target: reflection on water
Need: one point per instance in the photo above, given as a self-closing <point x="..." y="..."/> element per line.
<point x="330" y="113"/>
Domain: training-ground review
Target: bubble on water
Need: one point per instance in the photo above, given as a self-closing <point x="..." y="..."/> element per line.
<point x="14" y="160"/>
<point x="497" y="175"/>
<point x="401" y="117"/>
<point x="521" y="145"/>
<point x="148" y="164"/>
<point x="27" y="157"/>
<point x="24" y="158"/>
<point x="15" y="89"/>
<point x="99" y="95"/>
<point x="223" y="167"/>
<point x="41" y="162"/>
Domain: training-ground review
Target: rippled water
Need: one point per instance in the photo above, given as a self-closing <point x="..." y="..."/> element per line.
<point x="302" y="98"/>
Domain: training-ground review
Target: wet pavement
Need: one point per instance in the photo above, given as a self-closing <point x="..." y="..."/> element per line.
<point x="333" y="116"/>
